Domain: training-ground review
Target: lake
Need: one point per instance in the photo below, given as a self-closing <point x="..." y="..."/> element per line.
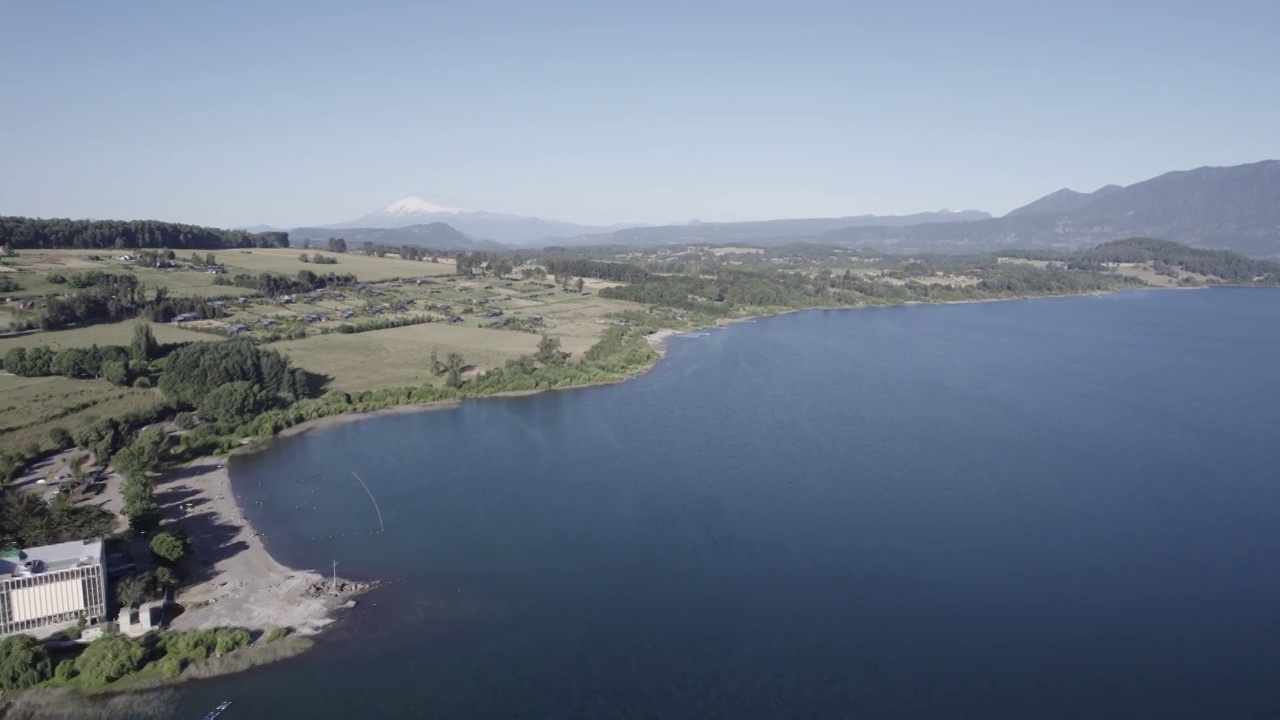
<point x="1056" y="508"/>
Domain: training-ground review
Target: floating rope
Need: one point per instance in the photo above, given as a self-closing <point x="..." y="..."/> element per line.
<point x="381" y="526"/>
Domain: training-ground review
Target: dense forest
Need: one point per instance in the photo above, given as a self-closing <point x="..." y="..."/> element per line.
<point x="580" y="267"/>
<point x="20" y="233"/>
<point x="1229" y="266"/>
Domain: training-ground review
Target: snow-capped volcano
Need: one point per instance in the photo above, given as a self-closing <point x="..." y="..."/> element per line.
<point x="415" y="205"/>
<point x="416" y="210"/>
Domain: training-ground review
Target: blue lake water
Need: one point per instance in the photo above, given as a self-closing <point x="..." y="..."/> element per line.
<point x="1057" y="508"/>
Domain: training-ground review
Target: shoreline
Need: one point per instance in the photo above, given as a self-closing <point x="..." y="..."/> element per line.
<point x="658" y="341"/>
<point x="242" y="585"/>
<point x="246" y="587"/>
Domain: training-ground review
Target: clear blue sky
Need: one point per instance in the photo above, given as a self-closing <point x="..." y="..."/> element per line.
<point x="235" y="113"/>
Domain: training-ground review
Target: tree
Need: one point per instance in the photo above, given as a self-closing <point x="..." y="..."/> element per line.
<point x="337" y="245"/>
<point x="210" y="260"/>
<point x="24" y="662"/>
<point x="140" y="502"/>
<point x="132" y="590"/>
<point x="60" y="438"/>
<point x="549" y="351"/>
<point x="168" y="547"/>
<point x="165" y="578"/>
<point x="103" y="437"/>
<point x="115" y="373"/>
<point x="304" y="258"/>
<point x="580" y="283"/>
<point x="110" y="658"/>
<point x="144" y="347"/>
<point x="232" y="403"/>
<point x="454" y="380"/>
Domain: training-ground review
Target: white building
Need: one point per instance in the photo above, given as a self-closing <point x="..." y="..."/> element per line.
<point x="52" y="584"/>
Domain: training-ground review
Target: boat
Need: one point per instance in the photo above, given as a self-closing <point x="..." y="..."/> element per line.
<point x="218" y="710"/>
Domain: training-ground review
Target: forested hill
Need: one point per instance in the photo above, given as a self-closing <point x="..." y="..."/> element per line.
<point x="1230" y="208"/>
<point x="22" y="233"/>
<point x="1231" y="267"/>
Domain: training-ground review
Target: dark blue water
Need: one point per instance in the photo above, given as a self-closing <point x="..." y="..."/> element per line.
<point x="1058" y="508"/>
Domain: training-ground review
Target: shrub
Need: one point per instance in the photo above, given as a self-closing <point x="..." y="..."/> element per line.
<point x="170" y="666"/>
<point x="60" y="438"/>
<point x="168" y="547"/>
<point x="230" y="639"/>
<point x="24" y="662"/>
<point x="276" y="633"/>
<point x="110" y="658"/>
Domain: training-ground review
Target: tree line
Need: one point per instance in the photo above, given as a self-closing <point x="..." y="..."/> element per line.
<point x="104" y="297"/>
<point x="22" y="233"/>
<point x="602" y="270"/>
<point x="275" y="284"/>
<point x="1230" y="266"/>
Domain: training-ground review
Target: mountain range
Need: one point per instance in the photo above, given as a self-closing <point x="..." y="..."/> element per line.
<point x="413" y="210"/>
<point x="1233" y="208"/>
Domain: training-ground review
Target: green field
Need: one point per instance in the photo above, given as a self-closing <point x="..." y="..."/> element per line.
<point x="400" y="357"/>
<point x="31" y="407"/>
<point x="366" y="267"/>
<point x="109" y="334"/>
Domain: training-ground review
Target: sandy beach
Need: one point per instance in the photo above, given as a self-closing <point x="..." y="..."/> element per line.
<point x="238" y="583"/>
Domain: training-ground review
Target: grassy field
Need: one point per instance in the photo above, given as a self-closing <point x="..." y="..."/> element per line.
<point x="111" y="334"/>
<point x="1144" y="272"/>
<point x="31" y="407"/>
<point x="400" y="357"/>
<point x="367" y="268"/>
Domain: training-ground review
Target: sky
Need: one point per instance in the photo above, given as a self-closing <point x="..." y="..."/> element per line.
<point x="239" y="113"/>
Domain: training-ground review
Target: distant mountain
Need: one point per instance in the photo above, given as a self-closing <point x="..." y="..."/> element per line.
<point x="436" y="236"/>
<point x="414" y="210"/>
<point x="1062" y="201"/>
<point x="1233" y="208"/>
<point x="764" y="231"/>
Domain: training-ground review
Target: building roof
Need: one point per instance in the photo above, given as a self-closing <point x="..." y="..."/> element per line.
<point x="62" y="556"/>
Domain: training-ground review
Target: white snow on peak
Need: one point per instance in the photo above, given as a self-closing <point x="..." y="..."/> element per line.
<point x="414" y="205"/>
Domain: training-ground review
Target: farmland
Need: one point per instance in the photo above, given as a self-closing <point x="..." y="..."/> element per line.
<point x="375" y="334"/>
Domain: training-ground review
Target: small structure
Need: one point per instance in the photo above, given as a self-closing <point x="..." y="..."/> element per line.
<point x="52" y="584"/>
<point x="136" y="622"/>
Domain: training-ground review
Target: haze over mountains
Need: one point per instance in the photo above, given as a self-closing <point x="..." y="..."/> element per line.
<point x="1234" y="208"/>
<point x="516" y="229"/>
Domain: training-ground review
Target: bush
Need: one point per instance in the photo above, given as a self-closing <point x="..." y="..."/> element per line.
<point x="60" y="438"/>
<point x="231" y="639"/>
<point x="110" y="658"/>
<point x="168" y="547"/>
<point x="170" y="666"/>
<point x="143" y="382"/>
<point x="65" y="670"/>
<point x="24" y="662"/>
<point x="276" y="633"/>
